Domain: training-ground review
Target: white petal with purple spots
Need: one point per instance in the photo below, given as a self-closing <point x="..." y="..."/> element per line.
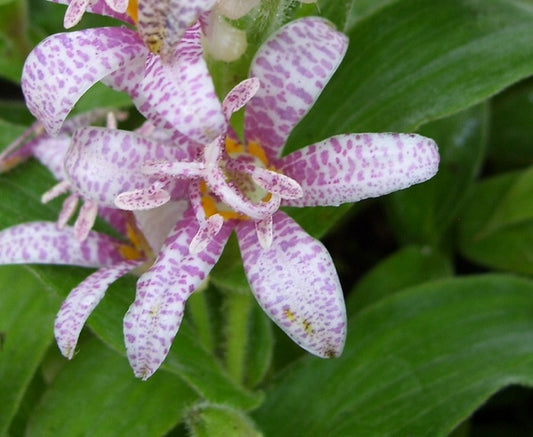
<point x="81" y="302"/>
<point x="296" y="284"/>
<point x="65" y="65"/>
<point x="293" y="65"/>
<point x="103" y="163"/>
<point x="349" y="168"/>
<point x="44" y="243"/>
<point x="154" y="318"/>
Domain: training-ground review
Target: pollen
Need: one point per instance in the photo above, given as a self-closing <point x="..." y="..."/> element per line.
<point x="291" y="317"/>
<point x="307" y="326"/>
<point x="154" y="42"/>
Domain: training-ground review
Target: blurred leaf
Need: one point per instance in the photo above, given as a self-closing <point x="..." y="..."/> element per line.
<point x="14" y="43"/>
<point x="260" y="347"/>
<point x="409" y="266"/>
<point x="206" y="420"/>
<point x="317" y="221"/>
<point x="26" y="319"/>
<point x="14" y="112"/>
<point x="418" y="60"/>
<point x="497" y="228"/>
<point x="415" y="364"/>
<point x="95" y="394"/>
<point x="423" y="213"/>
<point x="511" y="135"/>
<point x="100" y="96"/>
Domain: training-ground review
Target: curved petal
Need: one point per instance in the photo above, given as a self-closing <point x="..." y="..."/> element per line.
<point x="50" y="151"/>
<point x="62" y="67"/>
<point x="103" y="163"/>
<point x="240" y="95"/>
<point x="296" y="284"/>
<point x="154" y="318"/>
<point x="293" y="65"/>
<point x="44" y="243"/>
<point x="101" y="7"/>
<point x="156" y="224"/>
<point x="81" y="302"/>
<point x="348" y="168"/>
<point x="162" y="23"/>
<point x="181" y="95"/>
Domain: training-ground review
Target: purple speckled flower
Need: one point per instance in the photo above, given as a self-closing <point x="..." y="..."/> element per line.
<point x="76" y="9"/>
<point x="240" y="185"/>
<point x="44" y="243"/>
<point x="65" y="65"/>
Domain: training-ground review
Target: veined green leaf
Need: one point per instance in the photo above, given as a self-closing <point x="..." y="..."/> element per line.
<point x="415" y="364"/>
<point x="95" y="394"/>
<point x="497" y="228"/>
<point x="409" y="266"/>
<point x="26" y="319"/>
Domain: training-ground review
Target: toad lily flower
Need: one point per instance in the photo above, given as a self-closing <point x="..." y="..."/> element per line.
<point x="51" y="151"/>
<point x="44" y="243"/>
<point x="64" y="66"/>
<point x="241" y="186"/>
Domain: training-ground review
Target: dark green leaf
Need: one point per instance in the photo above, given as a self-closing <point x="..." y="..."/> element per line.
<point x="407" y="267"/>
<point x="416" y="364"/>
<point x="497" y="228"/>
<point x="511" y="128"/>
<point x="27" y="314"/>
<point x="95" y="395"/>
<point x="206" y="420"/>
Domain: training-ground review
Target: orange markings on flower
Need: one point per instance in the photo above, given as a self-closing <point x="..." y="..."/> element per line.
<point x="133" y="10"/>
<point x="256" y="150"/>
<point x="233" y="146"/>
<point x="139" y="247"/>
<point x="253" y="148"/>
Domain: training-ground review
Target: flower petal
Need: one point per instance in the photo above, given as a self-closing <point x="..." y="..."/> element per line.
<point x="240" y="95"/>
<point x="296" y="284"/>
<point x="348" y="168"/>
<point x="162" y="23"/>
<point x="102" y="7"/>
<point x="156" y="224"/>
<point x="293" y="65"/>
<point x="181" y="95"/>
<point x="154" y="318"/>
<point x="103" y="163"/>
<point x="81" y="302"/>
<point x="44" y="243"/>
<point x="62" y="67"/>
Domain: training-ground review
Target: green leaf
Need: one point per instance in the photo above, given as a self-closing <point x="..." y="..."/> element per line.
<point x="511" y="128"/>
<point x="26" y="319"/>
<point x="418" y="60"/>
<point x="409" y="266"/>
<point x="95" y="394"/>
<point x="205" y="420"/>
<point x="14" y="43"/>
<point x="462" y="142"/>
<point x="497" y="228"/>
<point x="416" y="364"/>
